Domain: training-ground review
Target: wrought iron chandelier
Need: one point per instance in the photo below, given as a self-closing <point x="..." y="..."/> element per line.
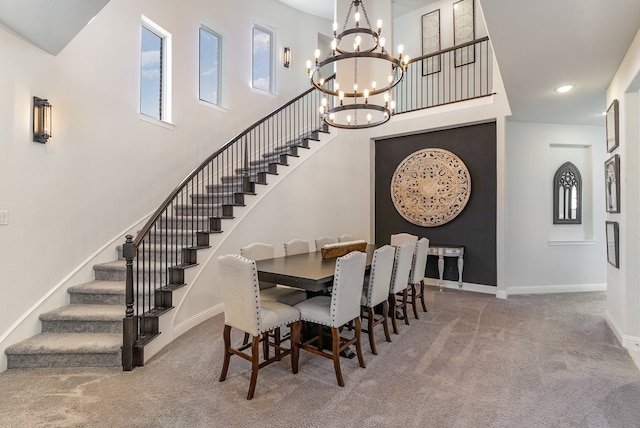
<point x="356" y="98"/>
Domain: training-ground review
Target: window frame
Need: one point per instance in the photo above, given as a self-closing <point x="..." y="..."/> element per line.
<point x="272" y="75"/>
<point x="220" y="81"/>
<point x="165" y="97"/>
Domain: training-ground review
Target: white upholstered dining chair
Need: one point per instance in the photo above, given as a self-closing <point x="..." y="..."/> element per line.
<point x="400" y="283"/>
<point x="416" y="276"/>
<point x="269" y="291"/>
<point x="322" y="241"/>
<point x="376" y="291"/>
<point x="401" y="238"/>
<point x="342" y="307"/>
<point x="345" y="237"/>
<point x="296" y="246"/>
<point x="244" y="310"/>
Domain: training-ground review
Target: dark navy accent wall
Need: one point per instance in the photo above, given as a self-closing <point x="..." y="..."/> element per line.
<point x="475" y="226"/>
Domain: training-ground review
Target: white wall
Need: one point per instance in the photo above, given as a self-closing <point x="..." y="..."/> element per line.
<point x="70" y="201"/>
<point x="623" y="295"/>
<point x="408" y="28"/>
<point x="541" y="256"/>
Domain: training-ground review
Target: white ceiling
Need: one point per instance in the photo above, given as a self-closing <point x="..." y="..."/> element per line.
<point x="543" y="44"/>
<point x="324" y="8"/>
<point x="49" y="24"/>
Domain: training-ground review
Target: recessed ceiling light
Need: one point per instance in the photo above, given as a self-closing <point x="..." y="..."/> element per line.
<point x="565" y="88"/>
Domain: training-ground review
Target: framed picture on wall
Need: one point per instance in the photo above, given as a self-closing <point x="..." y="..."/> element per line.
<point x="612" y="127"/>
<point x="464" y="31"/>
<point x="612" y="184"/>
<point x="431" y="42"/>
<point x="613" y="245"/>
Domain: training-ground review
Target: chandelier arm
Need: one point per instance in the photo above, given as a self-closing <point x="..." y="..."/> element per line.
<point x="387" y="57"/>
<point x="370" y="32"/>
<point x="385" y="117"/>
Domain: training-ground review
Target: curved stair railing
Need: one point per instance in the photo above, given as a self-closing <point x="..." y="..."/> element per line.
<point x="167" y="244"/>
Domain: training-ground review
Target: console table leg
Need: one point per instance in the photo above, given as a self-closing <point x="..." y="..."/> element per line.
<point x="440" y="270"/>
<point x="460" y="267"/>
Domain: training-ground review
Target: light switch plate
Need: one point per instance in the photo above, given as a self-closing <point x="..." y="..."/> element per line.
<point x="4" y="218"/>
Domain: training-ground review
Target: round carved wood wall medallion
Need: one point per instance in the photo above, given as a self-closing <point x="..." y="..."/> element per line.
<point x="430" y="187"/>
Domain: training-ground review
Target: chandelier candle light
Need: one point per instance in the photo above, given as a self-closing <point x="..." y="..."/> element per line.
<point x="353" y="104"/>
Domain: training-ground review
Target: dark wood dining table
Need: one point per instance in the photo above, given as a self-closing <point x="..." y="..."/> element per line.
<point x="308" y="271"/>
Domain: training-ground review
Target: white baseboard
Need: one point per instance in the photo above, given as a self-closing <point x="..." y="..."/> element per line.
<point x="168" y="335"/>
<point x="466" y="286"/>
<point x="187" y="325"/>
<point x="511" y="291"/>
<point x="630" y="343"/>
<point x="564" y="288"/>
<point x="635" y="356"/>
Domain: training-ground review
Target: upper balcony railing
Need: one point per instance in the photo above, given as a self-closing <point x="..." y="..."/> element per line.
<point x="458" y="73"/>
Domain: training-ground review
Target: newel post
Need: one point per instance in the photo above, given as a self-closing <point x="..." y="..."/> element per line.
<point x="130" y="322"/>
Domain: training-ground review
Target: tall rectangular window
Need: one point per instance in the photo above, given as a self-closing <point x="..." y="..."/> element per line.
<point x="262" y="64"/>
<point x="155" y="89"/>
<point x="210" y="66"/>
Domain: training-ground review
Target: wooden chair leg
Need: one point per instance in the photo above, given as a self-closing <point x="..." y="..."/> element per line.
<point x="385" y="323"/>
<point x="335" y="345"/>
<point x="413" y="301"/>
<point x="404" y="306"/>
<point x="320" y="337"/>
<point x="295" y="345"/>
<point x="246" y="339"/>
<point x="392" y="311"/>
<point x="370" y="324"/>
<point x="265" y="345"/>
<point x="227" y="355"/>
<point x="358" y="343"/>
<point x="424" y="306"/>
<point x="255" y="365"/>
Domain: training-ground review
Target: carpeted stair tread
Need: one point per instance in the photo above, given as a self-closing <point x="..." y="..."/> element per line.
<point x="65" y="343"/>
<point x="100" y="287"/>
<point x="98" y="292"/>
<point x="85" y="313"/>
<point x="112" y="265"/>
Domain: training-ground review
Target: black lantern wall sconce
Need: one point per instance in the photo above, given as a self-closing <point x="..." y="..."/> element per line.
<point x="287" y="57"/>
<point x="41" y="120"/>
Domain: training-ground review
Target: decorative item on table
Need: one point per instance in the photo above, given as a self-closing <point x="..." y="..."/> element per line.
<point x="339" y="249"/>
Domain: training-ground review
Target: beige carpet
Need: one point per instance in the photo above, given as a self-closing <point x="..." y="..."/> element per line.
<point x="471" y="361"/>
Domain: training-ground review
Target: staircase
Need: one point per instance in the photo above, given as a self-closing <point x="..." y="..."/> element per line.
<point x="86" y="333"/>
<point x="89" y="331"/>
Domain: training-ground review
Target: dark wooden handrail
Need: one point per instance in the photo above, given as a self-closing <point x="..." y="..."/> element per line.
<point x="445" y="50"/>
<point x="154" y="218"/>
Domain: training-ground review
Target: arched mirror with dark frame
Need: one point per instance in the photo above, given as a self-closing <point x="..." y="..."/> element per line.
<point x="567" y="195"/>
